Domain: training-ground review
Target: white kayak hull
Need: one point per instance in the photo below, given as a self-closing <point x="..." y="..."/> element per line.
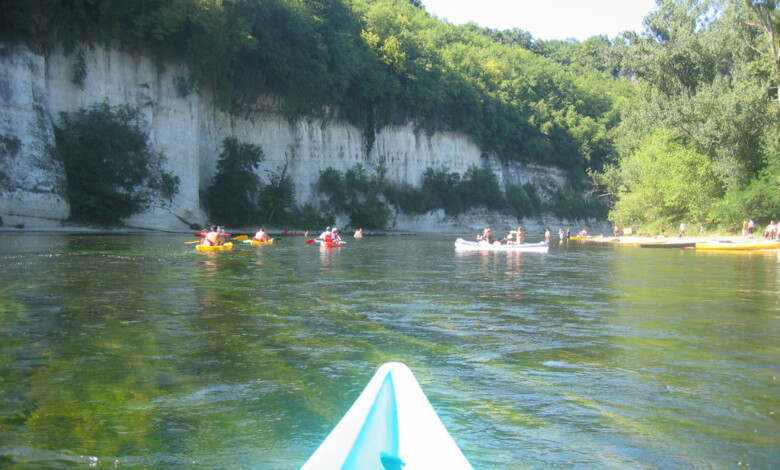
<point x="390" y="426"/>
<point x="467" y="245"/>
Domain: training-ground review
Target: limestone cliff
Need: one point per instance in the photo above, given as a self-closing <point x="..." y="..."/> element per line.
<point x="34" y="89"/>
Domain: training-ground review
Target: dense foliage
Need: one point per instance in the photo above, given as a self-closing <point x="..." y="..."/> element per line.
<point x="233" y="193"/>
<point x="366" y="196"/>
<point x="698" y="90"/>
<point x="238" y="197"/>
<point x="111" y="171"/>
<point x="373" y="62"/>
<point x="359" y="194"/>
<point x="698" y="140"/>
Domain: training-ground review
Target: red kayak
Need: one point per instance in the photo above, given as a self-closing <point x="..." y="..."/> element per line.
<point x="331" y="245"/>
<point x="203" y="234"/>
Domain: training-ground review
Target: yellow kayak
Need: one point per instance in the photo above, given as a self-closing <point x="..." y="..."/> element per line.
<point x="226" y="247"/>
<point x="588" y="237"/>
<point x="751" y="245"/>
<point x="255" y="242"/>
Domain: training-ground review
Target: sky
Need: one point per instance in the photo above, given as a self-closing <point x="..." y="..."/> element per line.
<point x="547" y="19"/>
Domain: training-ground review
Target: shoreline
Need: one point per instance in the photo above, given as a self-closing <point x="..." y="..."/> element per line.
<point x="636" y="240"/>
<point x="622" y="240"/>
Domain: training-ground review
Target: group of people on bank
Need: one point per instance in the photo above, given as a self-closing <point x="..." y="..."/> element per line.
<point x="749" y="227"/>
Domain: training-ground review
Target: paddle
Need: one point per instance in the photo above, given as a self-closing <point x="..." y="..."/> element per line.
<point x="241" y="238"/>
<point x="310" y="241"/>
<point x="192" y="243"/>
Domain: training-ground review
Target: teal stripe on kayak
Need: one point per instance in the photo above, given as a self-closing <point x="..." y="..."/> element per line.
<point x="378" y="438"/>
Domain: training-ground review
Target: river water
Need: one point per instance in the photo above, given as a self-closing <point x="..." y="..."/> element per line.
<point x="138" y="352"/>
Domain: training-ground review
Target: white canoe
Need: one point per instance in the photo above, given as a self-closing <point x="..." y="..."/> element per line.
<point x="468" y="245"/>
<point x="391" y="426"/>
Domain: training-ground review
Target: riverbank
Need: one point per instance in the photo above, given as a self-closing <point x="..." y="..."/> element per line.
<point x="467" y="225"/>
<point x="637" y="240"/>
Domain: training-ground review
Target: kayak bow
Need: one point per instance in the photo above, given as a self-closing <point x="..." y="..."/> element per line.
<point x="391" y="425"/>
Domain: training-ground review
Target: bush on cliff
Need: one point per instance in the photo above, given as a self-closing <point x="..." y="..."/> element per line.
<point x="232" y="196"/>
<point x="359" y="194"/>
<point x="111" y="171"/>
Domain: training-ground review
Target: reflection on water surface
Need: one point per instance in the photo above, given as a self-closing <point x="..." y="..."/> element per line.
<point x="140" y="352"/>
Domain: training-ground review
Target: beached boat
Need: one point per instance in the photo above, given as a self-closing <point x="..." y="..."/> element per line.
<point x="748" y="245"/>
<point x="667" y="244"/>
<point x="588" y="237"/>
<point x="468" y="245"/>
<point x="391" y="426"/>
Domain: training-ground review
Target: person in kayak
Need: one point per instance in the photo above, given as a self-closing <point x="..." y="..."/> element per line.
<point x="487" y="236"/>
<point x="520" y="236"/>
<point x="359" y="233"/>
<point x="261" y="236"/>
<point x="212" y="238"/>
<point x="324" y="234"/>
<point x="334" y="236"/>
<point x="515" y="237"/>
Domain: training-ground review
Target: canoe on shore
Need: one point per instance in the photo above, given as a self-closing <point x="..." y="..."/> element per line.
<point x="668" y="244"/>
<point x="468" y="245"/>
<point x="226" y="247"/>
<point x="587" y="237"/>
<point x="749" y="245"/>
<point x="391" y="425"/>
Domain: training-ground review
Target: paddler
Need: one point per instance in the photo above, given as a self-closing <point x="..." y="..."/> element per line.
<point x="334" y="236"/>
<point x="324" y="234"/>
<point x="261" y="236"/>
<point x="487" y="236"/>
<point x="212" y="238"/>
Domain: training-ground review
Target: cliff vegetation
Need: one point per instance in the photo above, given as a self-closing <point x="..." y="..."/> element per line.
<point x="678" y="122"/>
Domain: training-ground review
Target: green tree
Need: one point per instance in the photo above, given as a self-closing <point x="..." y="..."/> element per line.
<point x="358" y="194"/>
<point x="443" y="186"/>
<point x="111" y="171"/>
<point x="233" y="194"/>
<point x="277" y="199"/>
<point x="666" y="179"/>
<point x="764" y="21"/>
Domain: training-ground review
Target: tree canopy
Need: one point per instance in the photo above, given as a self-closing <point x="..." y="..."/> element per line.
<point x="700" y="81"/>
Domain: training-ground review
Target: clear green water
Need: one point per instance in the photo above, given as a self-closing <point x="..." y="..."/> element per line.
<point x="138" y="352"/>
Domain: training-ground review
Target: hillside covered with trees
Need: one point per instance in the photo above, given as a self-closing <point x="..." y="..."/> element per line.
<point x="677" y="123"/>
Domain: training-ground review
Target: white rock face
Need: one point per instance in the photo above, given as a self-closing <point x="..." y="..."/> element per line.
<point x="189" y="130"/>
